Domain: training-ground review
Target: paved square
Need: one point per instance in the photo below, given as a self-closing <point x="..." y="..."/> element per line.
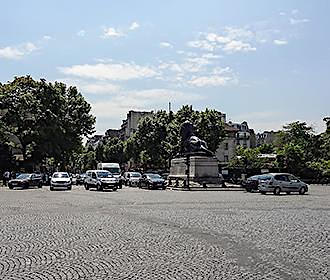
<point x="142" y="234"/>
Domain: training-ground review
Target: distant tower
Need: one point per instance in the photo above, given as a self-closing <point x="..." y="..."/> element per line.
<point x="327" y="121"/>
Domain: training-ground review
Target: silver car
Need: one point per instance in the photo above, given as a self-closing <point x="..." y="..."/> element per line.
<point x="282" y="182"/>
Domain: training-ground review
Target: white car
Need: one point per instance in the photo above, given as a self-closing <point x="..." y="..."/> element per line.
<point x="101" y="179"/>
<point x="134" y="179"/>
<point x="60" y="180"/>
<point x="282" y="182"/>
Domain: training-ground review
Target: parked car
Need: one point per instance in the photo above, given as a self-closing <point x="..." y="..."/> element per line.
<point x="26" y="180"/>
<point x="81" y="178"/>
<point x="152" y="181"/>
<point x="101" y="179"/>
<point x="134" y="179"/>
<point x="60" y="180"/>
<point x="282" y="182"/>
<point x="252" y="183"/>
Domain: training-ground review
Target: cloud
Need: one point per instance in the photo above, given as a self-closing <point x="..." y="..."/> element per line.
<point x="210" y="81"/>
<point x="81" y="33"/>
<point x="231" y="40"/>
<point x="110" y="71"/>
<point x="238" y="46"/>
<point x="202" y="44"/>
<point x="166" y="45"/>
<point x="150" y="99"/>
<point x="298" y="21"/>
<point x="280" y="42"/>
<point x="47" y="37"/>
<point x="17" y="52"/>
<point x="109" y="32"/>
<point x="134" y="26"/>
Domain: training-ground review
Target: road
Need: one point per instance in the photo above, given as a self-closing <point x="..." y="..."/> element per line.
<point x="156" y="234"/>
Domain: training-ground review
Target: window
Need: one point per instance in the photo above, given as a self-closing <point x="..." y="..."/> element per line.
<point x="281" y="178"/>
<point x="226" y="146"/>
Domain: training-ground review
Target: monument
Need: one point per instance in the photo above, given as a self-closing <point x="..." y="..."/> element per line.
<point x="195" y="167"/>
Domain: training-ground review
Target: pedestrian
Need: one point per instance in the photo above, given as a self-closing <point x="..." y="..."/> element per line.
<point x="6" y="177"/>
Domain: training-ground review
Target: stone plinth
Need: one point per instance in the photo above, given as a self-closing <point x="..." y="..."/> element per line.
<point x="203" y="170"/>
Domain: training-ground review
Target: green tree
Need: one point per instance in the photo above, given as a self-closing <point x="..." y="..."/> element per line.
<point x="48" y="119"/>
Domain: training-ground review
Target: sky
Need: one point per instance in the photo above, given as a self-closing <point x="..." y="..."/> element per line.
<point x="264" y="62"/>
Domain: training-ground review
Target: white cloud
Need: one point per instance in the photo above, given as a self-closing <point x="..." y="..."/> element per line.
<point x="11" y="53"/>
<point x="295" y="11"/>
<point x="17" y="52"/>
<point x="115" y="72"/>
<point x="166" y="45"/>
<point x="298" y="21"/>
<point x="280" y="42"/>
<point x="202" y="44"/>
<point x="81" y="33"/>
<point x="111" y="32"/>
<point x="151" y="99"/>
<point x="282" y="13"/>
<point x="47" y="37"/>
<point x="134" y="26"/>
<point x="238" y="46"/>
<point x="210" y="81"/>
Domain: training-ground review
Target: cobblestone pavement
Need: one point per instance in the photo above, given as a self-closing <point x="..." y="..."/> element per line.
<point x="142" y="234"/>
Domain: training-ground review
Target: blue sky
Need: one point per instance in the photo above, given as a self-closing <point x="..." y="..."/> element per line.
<point x="266" y="62"/>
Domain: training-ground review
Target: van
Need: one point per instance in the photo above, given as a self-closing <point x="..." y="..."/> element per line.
<point x="100" y="179"/>
<point x="113" y="168"/>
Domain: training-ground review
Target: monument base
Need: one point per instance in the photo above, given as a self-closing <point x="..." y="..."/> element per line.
<point x="203" y="173"/>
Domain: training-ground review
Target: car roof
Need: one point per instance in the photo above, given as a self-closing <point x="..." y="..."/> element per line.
<point x="98" y="170"/>
<point x="60" y="172"/>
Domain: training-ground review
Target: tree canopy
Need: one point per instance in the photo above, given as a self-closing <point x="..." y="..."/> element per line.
<point x="48" y="119"/>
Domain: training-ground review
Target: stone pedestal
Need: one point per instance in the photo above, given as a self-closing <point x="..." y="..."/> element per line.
<point x="203" y="172"/>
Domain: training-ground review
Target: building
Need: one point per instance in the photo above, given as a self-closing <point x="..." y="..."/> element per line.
<point x="237" y="134"/>
<point x="227" y="147"/>
<point x="130" y="124"/>
<point x="267" y="137"/>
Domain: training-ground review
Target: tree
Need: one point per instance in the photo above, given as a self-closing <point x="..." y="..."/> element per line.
<point x="157" y="139"/>
<point x="48" y="119"/>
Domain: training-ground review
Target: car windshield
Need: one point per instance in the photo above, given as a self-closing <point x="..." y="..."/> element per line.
<point x="24" y="176"/>
<point x="154" y="176"/>
<point x="61" y="175"/>
<point x="136" y="175"/>
<point x="113" y="170"/>
<point x="104" y="174"/>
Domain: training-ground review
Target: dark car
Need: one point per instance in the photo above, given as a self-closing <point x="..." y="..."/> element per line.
<point x="252" y="183"/>
<point x="152" y="181"/>
<point x="81" y="179"/>
<point x="26" y="180"/>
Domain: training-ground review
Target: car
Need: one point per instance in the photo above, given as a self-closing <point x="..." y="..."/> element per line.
<point x="26" y="180"/>
<point x="282" y="182"/>
<point x="60" y="180"/>
<point x="133" y="179"/>
<point x="101" y="179"/>
<point x="152" y="181"/>
<point x="252" y="183"/>
<point x="81" y="178"/>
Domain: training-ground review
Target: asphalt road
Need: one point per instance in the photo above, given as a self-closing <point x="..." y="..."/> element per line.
<point x="142" y="234"/>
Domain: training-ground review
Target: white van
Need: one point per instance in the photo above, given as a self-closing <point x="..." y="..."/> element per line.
<point x="113" y="168"/>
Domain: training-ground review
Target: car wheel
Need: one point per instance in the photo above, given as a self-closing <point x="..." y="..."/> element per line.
<point x="99" y="188"/>
<point x="288" y="193"/>
<point x="114" y="189"/>
<point x="277" y="191"/>
<point x="69" y="188"/>
<point x="10" y="187"/>
<point x="40" y="185"/>
<point x="51" y="188"/>
<point x="248" y="189"/>
<point x="129" y="184"/>
<point x="164" y="187"/>
<point x="302" y="191"/>
<point x="86" y="187"/>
